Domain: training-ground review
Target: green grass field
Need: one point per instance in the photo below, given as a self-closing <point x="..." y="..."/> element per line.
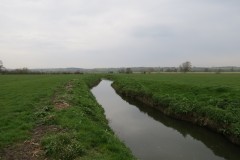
<point x="208" y="97"/>
<point x="27" y="101"/>
<point x="20" y="96"/>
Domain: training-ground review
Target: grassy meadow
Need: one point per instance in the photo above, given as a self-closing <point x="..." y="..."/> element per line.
<point x="210" y="100"/>
<point x="28" y="102"/>
<point x="20" y="96"/>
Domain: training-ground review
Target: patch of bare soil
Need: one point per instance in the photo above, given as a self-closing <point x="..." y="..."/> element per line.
<point x="59" y="102"/>
<point x="30" y="149"/>
<point x="69" y="86"/>
<point x="61" y="105"/>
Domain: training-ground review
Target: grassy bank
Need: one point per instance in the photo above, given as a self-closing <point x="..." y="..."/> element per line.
<point x="210" y="100"/>
<point x="20" y="96"/>
<point x="59" y="115"/>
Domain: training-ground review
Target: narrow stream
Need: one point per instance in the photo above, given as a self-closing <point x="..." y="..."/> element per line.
<point x="153" y="136"/>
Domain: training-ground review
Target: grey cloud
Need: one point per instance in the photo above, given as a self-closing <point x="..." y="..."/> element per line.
<point x="113" y="33"/>
<point x="153" y="32"/>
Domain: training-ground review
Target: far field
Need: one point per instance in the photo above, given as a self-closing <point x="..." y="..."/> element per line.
<point x="210" y="100"/>
<point x="72" y="124"/>
<point x="54" y="116"/>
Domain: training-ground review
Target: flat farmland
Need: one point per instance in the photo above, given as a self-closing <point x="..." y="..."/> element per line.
<point x="54" y="116"/>
<point x="210" y="100"/>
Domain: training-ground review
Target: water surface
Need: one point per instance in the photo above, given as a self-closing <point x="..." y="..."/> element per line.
<point x="153" y="136"/>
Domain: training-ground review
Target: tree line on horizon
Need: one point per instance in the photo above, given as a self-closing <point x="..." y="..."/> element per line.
<point x="184" y="68"/>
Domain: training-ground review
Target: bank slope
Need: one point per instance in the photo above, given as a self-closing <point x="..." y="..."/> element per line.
<point x="57" y="117"/>
<point x="207" y="100"/>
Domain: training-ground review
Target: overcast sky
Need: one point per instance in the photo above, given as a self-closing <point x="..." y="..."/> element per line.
<point x="119" y="33"/>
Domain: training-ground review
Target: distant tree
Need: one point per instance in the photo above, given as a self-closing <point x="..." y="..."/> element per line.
<point x="1" y="66"/>
<point x="25" y="70"/>
<point x="78" y="72"/>
<point x="185" y="67"/>
<point x="142" y="70"/>
<point x="218" y="71"/>
<point x="168" y="70"/>
<point x="122" y="70"/>
<point x="150" y="70"/>
<point x="171" y="69"/>
<point x="206" y="69"/>
<point x="22" y="71"/>
<point x="232" y="69"/>
<point x="129" y="71"/>
<point x="175" y="69"/>
<point x="161" y="69"/>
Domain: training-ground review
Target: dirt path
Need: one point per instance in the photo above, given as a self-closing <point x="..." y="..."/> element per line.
<point x="31" y="149"/>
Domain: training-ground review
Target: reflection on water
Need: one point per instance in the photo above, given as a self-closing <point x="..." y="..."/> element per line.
<point x="151" y="135"/>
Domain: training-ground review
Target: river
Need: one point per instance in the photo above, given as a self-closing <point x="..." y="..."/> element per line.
<point x="153" y="136"/>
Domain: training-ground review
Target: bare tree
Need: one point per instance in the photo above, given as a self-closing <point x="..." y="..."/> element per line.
<point x="185" y="67"/>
